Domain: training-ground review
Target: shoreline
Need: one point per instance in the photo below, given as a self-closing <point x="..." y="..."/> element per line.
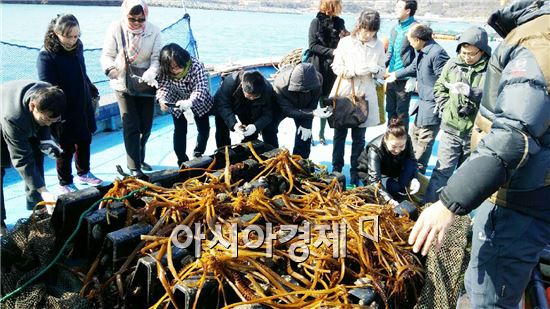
<point x="231" y="7"/>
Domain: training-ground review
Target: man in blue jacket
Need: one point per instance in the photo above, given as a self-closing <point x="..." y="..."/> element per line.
<point x="28" y="108"/>
<point x="400" y="55"/>
<point x="510" y="167"/>
<point x="426" y="67"/>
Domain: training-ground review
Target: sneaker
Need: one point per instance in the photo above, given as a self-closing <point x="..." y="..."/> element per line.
<point x="89" y="179"/>
<point x="67" y="188"/>
<point x="197" y="154"/>
<point x="322" y="141"/>
<point x="146" y="167"/>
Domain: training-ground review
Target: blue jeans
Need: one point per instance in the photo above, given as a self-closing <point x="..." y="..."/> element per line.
<point x="506" y="246"/>
<point x="396" y="186"/>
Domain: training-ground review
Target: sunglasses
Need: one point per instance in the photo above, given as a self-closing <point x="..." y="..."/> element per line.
<point x="136" y="20"/>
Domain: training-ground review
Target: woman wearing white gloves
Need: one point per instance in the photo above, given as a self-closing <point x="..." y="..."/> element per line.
<point x="133" y="41"/>
<point x="358" y="60"/>
<point x="389" y="161"/>
<point x="183" y="91"/>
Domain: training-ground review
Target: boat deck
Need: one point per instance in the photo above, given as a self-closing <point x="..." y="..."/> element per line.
<point x="108" y="151"/>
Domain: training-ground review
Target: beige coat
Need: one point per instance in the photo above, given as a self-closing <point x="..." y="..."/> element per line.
<point x="349" y="57"/>
<point x="112" y="54"/>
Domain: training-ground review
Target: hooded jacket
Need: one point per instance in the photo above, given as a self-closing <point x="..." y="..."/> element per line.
<point x="513" y="158"/>
<point x="456" y="70"/>
<point x="17" y="126"/>
<point x="298" y="90"/>
<point x="376" y="162"/>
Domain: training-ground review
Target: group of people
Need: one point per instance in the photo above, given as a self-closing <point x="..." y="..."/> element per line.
<point x="498" y="101"/>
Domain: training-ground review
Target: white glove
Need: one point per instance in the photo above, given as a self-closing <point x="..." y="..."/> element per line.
<point x="305" y="133"/>
<point x="239" y="128"/>
<point x="148" y="77"/>
<point x="391" y="77"/>
<point x="410" y="85"/>
<point x="249" y="130"/>
<point x="414" y="186"/>
<point x="458" y="88"/>
<point x="47" y="196"/>
<point x="184" y="105"/>
<point x="50" y="148"/>
<point x="322" y="112"/>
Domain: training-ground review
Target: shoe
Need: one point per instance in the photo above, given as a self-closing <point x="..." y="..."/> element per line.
<point x="67" y="188"/>
<point x="197" y="154"/>
<point x="322" y="141"/>
<point x="137" y="173"/>
<point x="89" y="179"/>
<point x="146" y="167"/>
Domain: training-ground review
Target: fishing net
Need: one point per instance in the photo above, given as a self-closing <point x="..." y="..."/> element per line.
<point x="444" y="270"/>
<point x="25" y="251"/>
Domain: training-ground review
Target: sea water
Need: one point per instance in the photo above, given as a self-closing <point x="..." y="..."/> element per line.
<point x="222" y="36"/>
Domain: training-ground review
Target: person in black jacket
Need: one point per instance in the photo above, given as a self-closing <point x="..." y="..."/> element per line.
<point x="250" y="97"/>
<point x="298" y="89"/>
<point x="28" y="109"/>
<point x="509" y="172"/>
<point x="61" y="63"/>
<point x="325" y="32"/>
<point x="389" y="160"/>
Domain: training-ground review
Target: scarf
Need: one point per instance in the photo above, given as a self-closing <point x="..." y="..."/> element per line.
<point x="134" y="34"/>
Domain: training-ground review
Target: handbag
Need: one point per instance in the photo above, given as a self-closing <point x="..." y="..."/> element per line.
<point x="347" y="111"/>
<point x="134" y="84"/>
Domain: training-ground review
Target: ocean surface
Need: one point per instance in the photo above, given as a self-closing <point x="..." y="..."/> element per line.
<point x="222" y="36"/>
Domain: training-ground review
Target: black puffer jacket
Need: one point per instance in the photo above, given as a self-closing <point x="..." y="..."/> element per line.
<point x="230" y="102"/>
<point x="298" y="90"/>
<point x="514" y="157"/>
<point x="324" y="35"/>
<point x="376" y="162"/>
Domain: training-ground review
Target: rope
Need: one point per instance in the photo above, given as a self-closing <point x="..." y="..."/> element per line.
<point x="44" y="270"/>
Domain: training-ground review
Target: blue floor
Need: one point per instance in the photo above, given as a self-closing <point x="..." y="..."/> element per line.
<point x="108" y="151"/>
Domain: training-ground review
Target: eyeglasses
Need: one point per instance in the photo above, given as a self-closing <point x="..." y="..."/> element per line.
<point x="470" y="54"/>
<point x="136" y="20"/>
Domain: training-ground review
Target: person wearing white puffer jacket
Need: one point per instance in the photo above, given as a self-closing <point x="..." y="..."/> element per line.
<point x="142" y="42"/>
<point x="358" y="59"/>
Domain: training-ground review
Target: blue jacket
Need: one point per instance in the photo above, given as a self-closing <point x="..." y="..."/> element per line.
<point x="426" y="67"/>
<point x="68" y="71"/>
<point x="400" y="52"/>
<point x="513" y="158"/>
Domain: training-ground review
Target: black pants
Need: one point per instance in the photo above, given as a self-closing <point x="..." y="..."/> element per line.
<point x="397" y="101"/>
<point x="357" y="146"/>
<point x="203" y="132"/>
<point x="301" y="147"/>
<point x="137" y="120"/>
<point x="32" y="196"/>
<point x="81" y="152"/>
